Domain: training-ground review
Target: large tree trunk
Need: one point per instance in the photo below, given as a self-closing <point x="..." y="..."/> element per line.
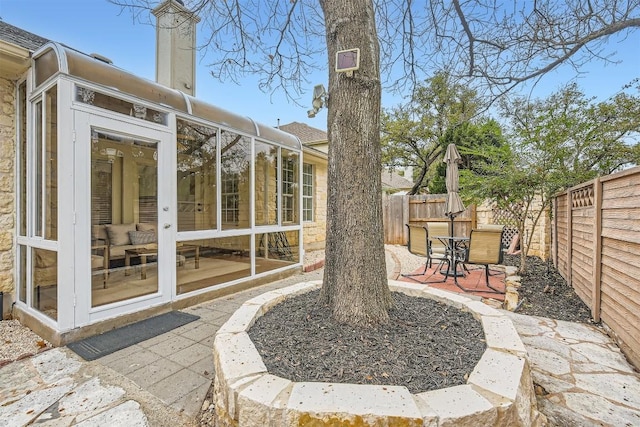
<point x="355" y="279"/>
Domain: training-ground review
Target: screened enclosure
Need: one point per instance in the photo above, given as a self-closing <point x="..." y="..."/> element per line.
<point x="132" y="194"/>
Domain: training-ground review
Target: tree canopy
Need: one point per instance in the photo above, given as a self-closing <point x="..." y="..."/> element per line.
<point x="417" y="134"/>
<point x="554" y="143"/>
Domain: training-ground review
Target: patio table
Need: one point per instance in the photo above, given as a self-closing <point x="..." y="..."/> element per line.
<point x="455" y="247"/>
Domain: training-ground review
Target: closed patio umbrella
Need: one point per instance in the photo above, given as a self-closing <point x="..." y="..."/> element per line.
<point x="454" y="204"/>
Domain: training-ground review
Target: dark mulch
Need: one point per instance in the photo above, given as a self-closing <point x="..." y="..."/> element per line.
<point x="425" y="346"/>
<point x="544" y="292"/>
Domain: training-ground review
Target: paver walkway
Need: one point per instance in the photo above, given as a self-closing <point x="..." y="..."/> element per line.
<point x="583" y="379"/>
<point x="163" y="381"/>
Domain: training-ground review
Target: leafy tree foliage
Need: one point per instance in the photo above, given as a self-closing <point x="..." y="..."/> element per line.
<point x="440" y="113"/>
<point x="469" y="138"/>
<point x="554" y="144"/>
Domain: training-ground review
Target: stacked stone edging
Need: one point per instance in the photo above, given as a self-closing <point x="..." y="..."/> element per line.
<point x="499" y="391"/>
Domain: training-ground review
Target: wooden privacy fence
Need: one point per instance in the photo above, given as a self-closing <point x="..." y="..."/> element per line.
<point x="399" y="210"/>
<point x="596" y="248"/>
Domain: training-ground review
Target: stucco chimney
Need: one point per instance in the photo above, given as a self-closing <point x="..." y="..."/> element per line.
<point x="176" y="46"/>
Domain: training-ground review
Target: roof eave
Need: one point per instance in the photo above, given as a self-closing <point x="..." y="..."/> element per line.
<point x="14" y="60"/>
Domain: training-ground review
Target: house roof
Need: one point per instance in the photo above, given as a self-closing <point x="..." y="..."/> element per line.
<point x="16" y="47"/>
<point x="20" y="37"/>
<point x="306" y="134"/>
<point x="392" y="180"/>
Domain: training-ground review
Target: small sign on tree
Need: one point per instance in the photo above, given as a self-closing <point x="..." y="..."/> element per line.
<point x="347" y="61"/>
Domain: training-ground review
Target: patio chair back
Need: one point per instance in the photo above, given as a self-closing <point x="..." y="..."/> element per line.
<point x="418" y="240"/>
<point x="437" y="229"/>
<point x="422" y="243"/>
<point x="485" y="247"/>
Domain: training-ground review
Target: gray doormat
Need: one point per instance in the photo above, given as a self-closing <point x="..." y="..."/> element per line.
<point x="95" y="347"/>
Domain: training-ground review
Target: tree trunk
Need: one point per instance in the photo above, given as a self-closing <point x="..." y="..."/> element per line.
<point x="355" y="279"/>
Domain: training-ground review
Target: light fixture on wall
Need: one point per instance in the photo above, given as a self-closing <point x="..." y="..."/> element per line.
<point x="320" y="98"/>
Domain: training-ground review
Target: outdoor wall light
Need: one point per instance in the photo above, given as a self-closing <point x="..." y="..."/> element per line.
<point x="320" y="98"/>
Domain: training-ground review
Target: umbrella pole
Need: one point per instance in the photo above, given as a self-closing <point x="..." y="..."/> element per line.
<point x="453" y="268"/>
<point x="453" y="249"/>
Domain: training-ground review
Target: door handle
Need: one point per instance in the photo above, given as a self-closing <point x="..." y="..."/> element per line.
<point x="167" y="225"/>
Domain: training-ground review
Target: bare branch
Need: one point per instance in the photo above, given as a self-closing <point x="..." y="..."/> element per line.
<point x="500" y="45"/>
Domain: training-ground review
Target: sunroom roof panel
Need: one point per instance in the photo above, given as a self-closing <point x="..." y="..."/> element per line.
<point x="98" y="71"/>
<point x="221" y="116"/>
<point x="279" y="136"/>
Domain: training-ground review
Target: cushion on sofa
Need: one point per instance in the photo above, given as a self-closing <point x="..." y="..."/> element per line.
<point x="142" y="237"/>
<point x="146" y="226"/>
<point x="119" y="233"/>
<point x="99" y="232"/>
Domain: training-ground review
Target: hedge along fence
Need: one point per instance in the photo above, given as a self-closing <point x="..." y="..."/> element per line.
<point x="596" y="247"/>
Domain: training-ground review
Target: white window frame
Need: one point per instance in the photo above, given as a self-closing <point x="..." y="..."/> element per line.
<point x="308" y="213"/>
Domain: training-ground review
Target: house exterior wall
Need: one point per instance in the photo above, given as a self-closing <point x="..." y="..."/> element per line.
<point x="7" y="188"/>
<point x="314" y="232"/>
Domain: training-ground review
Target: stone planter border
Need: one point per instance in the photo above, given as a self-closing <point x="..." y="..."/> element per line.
<point x="499" y="391"/>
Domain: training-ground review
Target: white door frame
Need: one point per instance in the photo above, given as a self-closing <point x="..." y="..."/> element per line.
<point x="83" y="123"/>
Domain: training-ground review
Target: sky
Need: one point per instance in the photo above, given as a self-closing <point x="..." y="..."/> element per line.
<point x="97" y="26"/>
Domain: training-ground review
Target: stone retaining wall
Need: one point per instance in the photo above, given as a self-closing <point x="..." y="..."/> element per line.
<point x="499" y="391"/>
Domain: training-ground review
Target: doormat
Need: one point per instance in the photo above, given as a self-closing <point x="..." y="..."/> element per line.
<point x="97" y="346"/>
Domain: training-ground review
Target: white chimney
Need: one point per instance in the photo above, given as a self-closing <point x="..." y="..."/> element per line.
<point x="176" y="46"/>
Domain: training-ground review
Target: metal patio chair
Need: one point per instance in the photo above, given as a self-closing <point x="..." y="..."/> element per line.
<point x="484" y="248"/>
<point x="420" y="244"/>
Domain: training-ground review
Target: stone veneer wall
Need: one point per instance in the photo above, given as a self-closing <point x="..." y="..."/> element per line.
<point x="315" y="232"/>
<point x="541" y="242"/>
<point x="7" y="187"/>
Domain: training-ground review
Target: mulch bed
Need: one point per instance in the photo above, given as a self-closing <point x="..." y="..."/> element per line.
<point x="544" y="292"/>
<point x="425" y="346"/>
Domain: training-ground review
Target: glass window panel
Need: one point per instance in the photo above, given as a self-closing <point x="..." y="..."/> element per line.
<point x="196" y="147"/>
<point x="307" y="192"/>
<point x="124" y="218"/>
<point x="46" y="65"/>
<point x="45" y="282"/>
<point x="38" y="193"/>
<point x="276" y="135"/>
<point x="209" y="262"/>
<point x="235" y="185"/>
<point x="276" y="250"/>
<point x="290" y="165"/>
<point x="22" y="273"/>
<point x="51" y="165"/>
<point x="139" y="111"/>
<point x="266" y="188"/>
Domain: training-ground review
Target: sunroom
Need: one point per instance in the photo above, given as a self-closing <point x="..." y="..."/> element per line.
<point x="134" y="198"/>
